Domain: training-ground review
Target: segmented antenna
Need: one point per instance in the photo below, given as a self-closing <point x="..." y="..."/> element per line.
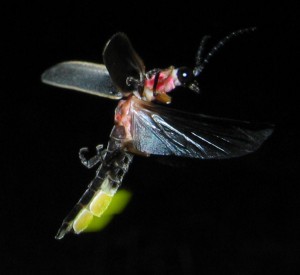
<point x="199" y="55"/>
<point x="201" y="61"/>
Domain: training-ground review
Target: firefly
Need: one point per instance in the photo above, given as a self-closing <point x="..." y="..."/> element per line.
<point x="141" y="125"/>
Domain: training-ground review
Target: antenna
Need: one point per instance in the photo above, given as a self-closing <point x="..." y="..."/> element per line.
<point x="202" y="61"/>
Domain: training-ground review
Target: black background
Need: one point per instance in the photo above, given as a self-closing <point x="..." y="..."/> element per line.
<point x="190" y="217"/>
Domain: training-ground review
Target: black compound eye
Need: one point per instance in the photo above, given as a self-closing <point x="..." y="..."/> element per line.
<point x="185" y="75"/>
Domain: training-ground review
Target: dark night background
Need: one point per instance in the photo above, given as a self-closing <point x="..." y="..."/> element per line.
<point x="235" y="216"/>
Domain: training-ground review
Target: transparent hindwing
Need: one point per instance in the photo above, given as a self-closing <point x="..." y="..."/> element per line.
<point x="159" y="130"/>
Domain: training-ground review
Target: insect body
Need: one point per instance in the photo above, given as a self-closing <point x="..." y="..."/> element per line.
<point x="143" y="127"/>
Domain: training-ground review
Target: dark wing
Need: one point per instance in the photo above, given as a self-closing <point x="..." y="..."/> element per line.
<point x="85" y="77"/>
<point x="161" y="131"/>
<point x="122" y="61"/>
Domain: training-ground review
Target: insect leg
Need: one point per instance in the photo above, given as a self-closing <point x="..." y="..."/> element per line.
<point x="89" y="163"/>
<point x="133" y="82"/>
